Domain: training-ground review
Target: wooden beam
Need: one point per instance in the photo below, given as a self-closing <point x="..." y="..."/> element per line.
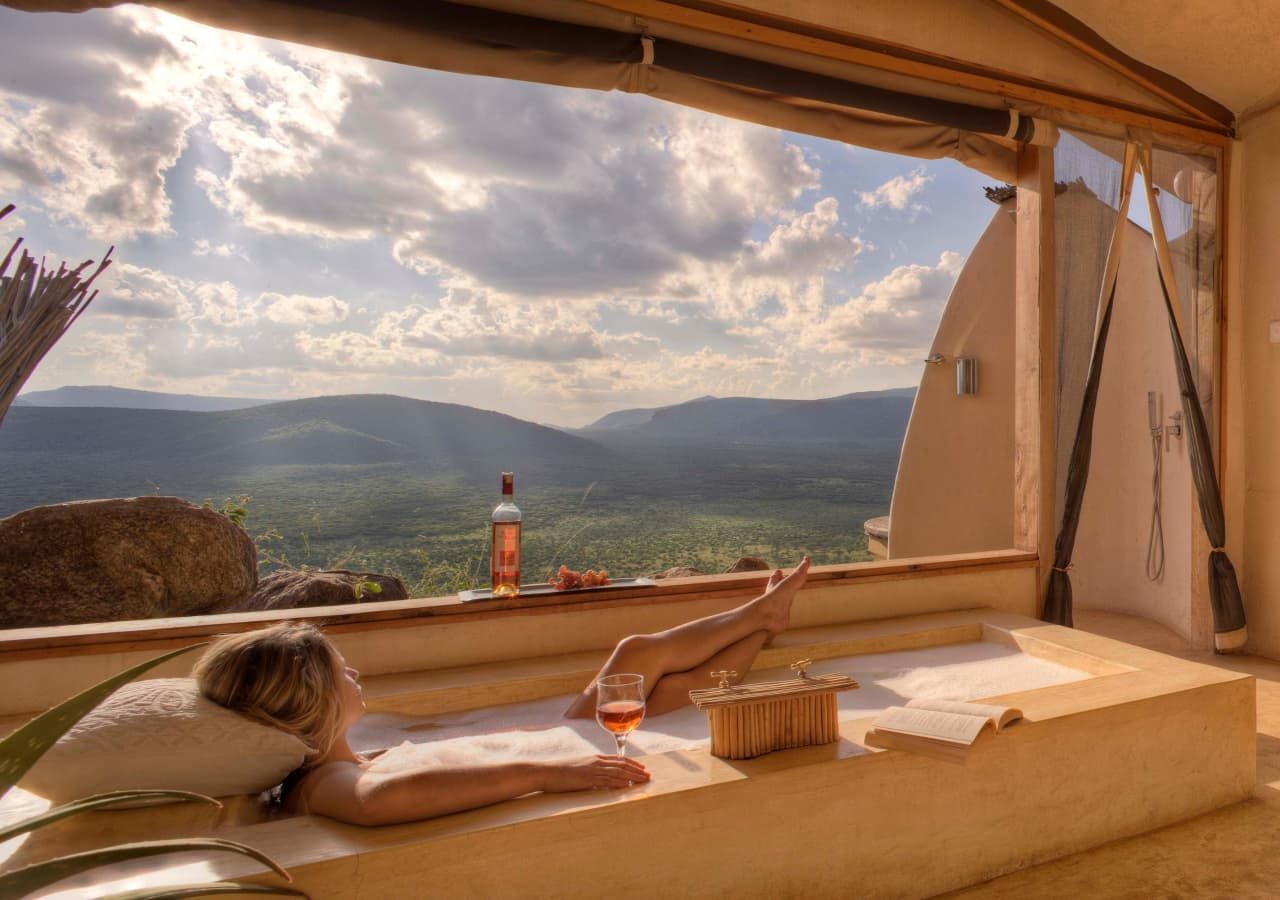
<point x="730" y="20"/>
<point x="1035" y="362"/>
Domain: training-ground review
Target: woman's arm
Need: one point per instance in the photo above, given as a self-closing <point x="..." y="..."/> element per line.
<point x="346" y="792"/>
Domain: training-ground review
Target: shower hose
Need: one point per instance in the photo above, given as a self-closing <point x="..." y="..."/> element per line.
<point x="1155" y="536"/>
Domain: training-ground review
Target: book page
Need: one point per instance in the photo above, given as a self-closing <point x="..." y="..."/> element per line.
<point x="1000" y="716"/>
<point x="952" y="727"/>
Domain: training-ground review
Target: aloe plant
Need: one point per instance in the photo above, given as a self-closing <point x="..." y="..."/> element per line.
<point x="20" y="751"/>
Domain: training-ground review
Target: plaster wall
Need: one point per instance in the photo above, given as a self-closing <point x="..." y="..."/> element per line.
<point x="1111" y="546"/>
<point x="954" y="489"/>
<point x="1254" y="373"/>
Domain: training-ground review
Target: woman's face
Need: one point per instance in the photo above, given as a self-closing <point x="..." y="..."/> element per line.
<point x="352" y="694"/>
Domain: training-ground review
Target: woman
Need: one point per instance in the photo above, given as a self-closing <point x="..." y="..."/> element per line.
<point x="291" y="677"/>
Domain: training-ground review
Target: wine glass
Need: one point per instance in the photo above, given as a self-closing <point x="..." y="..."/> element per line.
<point x="620" y="706"/>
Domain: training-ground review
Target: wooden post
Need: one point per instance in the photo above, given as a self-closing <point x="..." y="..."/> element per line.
<point x="1035" y="363"/>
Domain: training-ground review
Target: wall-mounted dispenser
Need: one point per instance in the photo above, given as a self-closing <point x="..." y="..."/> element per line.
<point x="966" y="375"/>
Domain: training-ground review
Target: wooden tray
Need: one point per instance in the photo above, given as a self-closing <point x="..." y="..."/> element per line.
<point x="541" y="589"/>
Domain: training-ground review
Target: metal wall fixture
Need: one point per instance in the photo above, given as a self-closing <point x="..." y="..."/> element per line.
<point x="966" y="375"/>
<point x="1172" y="430"/>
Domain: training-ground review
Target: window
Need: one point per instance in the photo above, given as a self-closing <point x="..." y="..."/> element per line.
<point x="356" y="292"/>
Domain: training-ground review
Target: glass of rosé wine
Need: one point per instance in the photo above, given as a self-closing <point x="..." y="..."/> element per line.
<point x="620" y="706"/>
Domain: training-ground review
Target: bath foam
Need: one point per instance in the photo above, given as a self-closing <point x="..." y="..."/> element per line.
<point x="535" y="730"/>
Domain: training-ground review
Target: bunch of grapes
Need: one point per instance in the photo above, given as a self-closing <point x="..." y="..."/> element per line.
<point x="567" y="579"/>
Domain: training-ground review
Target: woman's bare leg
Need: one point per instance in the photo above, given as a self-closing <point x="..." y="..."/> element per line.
<point x="672" y="690"/>
<point x="693" y="644"/>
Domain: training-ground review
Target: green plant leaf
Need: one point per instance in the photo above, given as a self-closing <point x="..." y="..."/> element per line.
<point x="177" y="891"/>
<point x="97" y="801"/>
<point x="20" y="750"/>
<point x="27" y="880"/>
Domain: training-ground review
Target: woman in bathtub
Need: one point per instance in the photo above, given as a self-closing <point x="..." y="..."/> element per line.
<point x="291" y="677"/>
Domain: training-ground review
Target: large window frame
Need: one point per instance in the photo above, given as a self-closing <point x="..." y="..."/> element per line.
<point x="1035" y="368"/>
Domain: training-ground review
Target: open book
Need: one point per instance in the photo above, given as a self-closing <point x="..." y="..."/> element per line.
<point x="944" y="729"/>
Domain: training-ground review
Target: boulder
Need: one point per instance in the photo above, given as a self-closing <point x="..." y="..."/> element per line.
<point x="749" y="564"/>
<point x="106" y="560"/>
<point x="677" y="572"/>
<point x="291" y="588"/>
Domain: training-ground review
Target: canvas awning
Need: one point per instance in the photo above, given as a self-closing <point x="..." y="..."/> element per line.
<point x="615" y="51"/>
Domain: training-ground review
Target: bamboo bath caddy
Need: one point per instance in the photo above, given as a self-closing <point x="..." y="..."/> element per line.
<point x="749" y="720"/>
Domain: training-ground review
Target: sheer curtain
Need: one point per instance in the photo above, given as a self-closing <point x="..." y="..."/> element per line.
<point x="1177" y="204"/>
<point x="1085" y="209"/>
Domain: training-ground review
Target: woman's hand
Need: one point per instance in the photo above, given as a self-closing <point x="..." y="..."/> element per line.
<point x="594" y="773"/>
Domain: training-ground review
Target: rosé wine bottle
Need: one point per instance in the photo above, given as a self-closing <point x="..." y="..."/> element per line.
<point x="504" y="559"/>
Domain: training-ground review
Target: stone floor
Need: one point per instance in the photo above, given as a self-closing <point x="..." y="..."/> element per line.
<point x="1234" y="852"/>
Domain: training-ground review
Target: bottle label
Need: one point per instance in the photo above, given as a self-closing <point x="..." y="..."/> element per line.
<point x="505" y="559"/>
<point x="509" y="549"/>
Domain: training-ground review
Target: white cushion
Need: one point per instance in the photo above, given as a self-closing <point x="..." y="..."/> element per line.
<point x="164" y="734"/>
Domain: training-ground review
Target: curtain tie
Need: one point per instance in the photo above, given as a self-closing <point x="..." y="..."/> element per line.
<point x="1063" y="569"/>
<point x="1218" y="550"/>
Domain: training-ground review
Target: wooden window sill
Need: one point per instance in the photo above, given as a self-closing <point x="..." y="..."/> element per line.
<point x="103" y="637"/>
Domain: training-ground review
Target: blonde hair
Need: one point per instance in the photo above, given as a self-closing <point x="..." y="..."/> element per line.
<point x="285" y="676"/>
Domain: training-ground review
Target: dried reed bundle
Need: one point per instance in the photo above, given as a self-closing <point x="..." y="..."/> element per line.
<point x="37" y="306"/>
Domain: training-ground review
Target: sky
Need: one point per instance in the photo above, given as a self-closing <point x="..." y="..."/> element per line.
<point x="290" y="222"/>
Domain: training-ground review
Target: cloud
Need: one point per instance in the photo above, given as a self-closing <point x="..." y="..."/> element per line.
<point x="92" y="121"/>
<point x="788" y="268"/>
<point x="220" y="304"/>
<point x="299" y="309"/>
<point x="473" y="322"/>
<point x="205" y="247"/>
<point x="893" y="319"/>
<point x="600" y="192"/>
<point x="898" y="192"/>
<point x="134" y="292"/>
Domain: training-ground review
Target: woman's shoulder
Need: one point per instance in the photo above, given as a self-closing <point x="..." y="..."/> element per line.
<point x="297" y="797"/>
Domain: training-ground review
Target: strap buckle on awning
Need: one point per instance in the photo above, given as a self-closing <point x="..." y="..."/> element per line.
<point x="646" y="44"/>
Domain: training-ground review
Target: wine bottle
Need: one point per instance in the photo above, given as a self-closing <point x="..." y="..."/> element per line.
<point x="504" y="559"/>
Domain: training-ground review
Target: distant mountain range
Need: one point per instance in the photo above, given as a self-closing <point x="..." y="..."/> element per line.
<point x="869" y="416"/>
<point x="126" y="398"/>
<point x="369" y="429"/>
<point x="336" y="431"/>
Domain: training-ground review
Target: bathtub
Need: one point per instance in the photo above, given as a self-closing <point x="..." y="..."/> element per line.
<point x="1116" y="740"/>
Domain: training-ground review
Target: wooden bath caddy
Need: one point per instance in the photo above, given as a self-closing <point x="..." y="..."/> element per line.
<point x="749" y="720"/>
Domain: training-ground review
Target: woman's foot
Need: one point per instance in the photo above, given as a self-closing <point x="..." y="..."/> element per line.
<point x="775" y="603"/>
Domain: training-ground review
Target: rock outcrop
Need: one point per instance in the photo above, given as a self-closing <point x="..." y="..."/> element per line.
<point x="677" y="572"/>
<point x="749" y="564"/>
<point x="106" y="560"/>
<point x="291" y="588"/>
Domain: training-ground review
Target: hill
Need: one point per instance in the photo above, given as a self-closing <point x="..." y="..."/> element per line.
<point x="126" y="398"/>
<point x="869" y="416"/>
<point x="89" y="452"/>
<point x="626" y="418"/>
